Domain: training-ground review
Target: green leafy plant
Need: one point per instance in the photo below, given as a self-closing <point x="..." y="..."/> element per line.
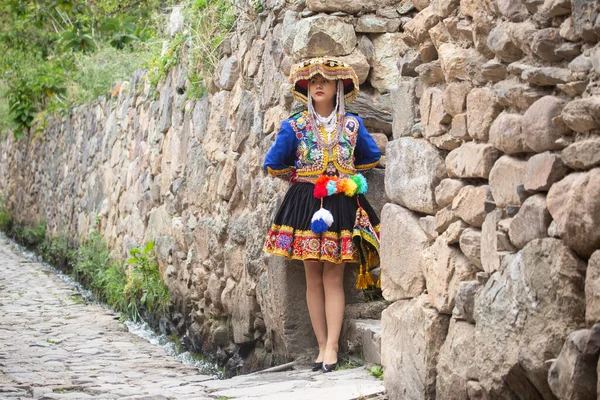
<point x="376" y="371"/>
<point x="32" y="236"/>
<point x="145" y="289"/>
<point x="58" y="251"/>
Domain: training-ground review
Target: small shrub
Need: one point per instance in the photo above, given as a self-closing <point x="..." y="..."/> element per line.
<point x="31" y="236"/>
<point x="58" y="251"/>
<point x="376" y="371"/>
<point x="145" y="290"/>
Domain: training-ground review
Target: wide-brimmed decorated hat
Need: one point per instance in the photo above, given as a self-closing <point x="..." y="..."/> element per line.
<point x="329" y="68"/>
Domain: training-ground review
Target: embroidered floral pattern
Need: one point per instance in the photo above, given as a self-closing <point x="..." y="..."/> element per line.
<point x="311" y="159"/>
<point x="306" y="245"/>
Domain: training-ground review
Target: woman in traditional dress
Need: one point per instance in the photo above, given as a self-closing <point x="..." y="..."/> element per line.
<point x="324" y="219"/>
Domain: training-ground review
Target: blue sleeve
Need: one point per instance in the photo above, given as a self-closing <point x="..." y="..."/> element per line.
<point x="279" y="160"/>
<point x="366" y="152"/>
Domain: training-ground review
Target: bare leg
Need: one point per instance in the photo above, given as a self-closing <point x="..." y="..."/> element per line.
<point x="315" y="300"/>
<point x="333" y="282"/>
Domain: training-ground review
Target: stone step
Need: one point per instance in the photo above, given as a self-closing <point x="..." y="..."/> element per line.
<point x="362" y="338"/>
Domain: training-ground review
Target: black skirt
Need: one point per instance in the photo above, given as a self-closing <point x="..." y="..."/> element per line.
<point x="290" y="235"/>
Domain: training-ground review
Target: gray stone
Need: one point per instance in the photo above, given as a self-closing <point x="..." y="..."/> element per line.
<point x="413" y="332"/>
<point x="175" y="24"/>
<point x="585" y="15"/>
<point x="582" y="115"/>
<point x="547" y="76"/>
<point x="493" y="71"/>
<point x="428" y="225"/>
<point x="555" y="8"/>
<point x="409" y="62"/>
<point x="567" y="30"/>
<point x="573" y="374"/>
<point x="230" y="73"/>
<point x="403" y="112"/>
<point x="455" y="364"/>
<point x="584" y="154"/>
<point x="545" y="42"/>
<point x="458" y="63"/>
<point x="465" y="302"/>
<point x="540" y="126"/>
<point x="574" y="203"/>
<point x="581" y="64"/>
<point x="323" y="35"/>
<point x="374" y="24"/>
<point x="405" y="181"/>
<point x="512" y="352"/>
<point x="416" y="31"/>
<point x="471" y="160"/>
<point x="531" y="222"/>
<point x="470" y="245"/>
<point x="492" y="248"/>
<point x="444" y="267"/>
<point x="403" y="242"/>
<point x="520" y="96"/>
<point x="346" y="6"/>
<point x="384" y="74"/>
<point x="431" y="73"/>
<point x="445" y="142"/>
<point x="499" y="41"/>
<point x="452" y="234"/>
<point x="592" y="289"/>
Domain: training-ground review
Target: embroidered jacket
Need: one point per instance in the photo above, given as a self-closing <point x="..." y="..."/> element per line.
<point x="297" y="150"/>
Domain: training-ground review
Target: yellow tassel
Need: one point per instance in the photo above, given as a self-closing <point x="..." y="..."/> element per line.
<point x="369" y="279"/>
<point x="360" y="282"/>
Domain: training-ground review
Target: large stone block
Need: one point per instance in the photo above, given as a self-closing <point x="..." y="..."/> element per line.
<point x="543" y="170"/>
<point x="458" y="63"/>
<point x="346" y="6"/>
<point x="582" y="115"/>
<point x="574" y="203"/>
<point x="455" y="97"/>
<point x="403" y="240"/>
<point x="585" y="15"/>
<point x="416" y="30"/>
<point x="469" y="204"/>
<point x="412" y="332"/>
<point x="359" y="63"/>
<point x="506" y="134"/>
<point x="444" y="267"/>
<point x="499" y="41"/>
<point x="545" y="42"/>
<point x="483" y="107"/>
<point x="433" y="115"/>
<point x="505" y="178"/>
<point x="519" y="322"/>
<point x="447" y="190"/>
<point x="323" y="36"/>
<point x="403" y="107"/>
<point x="455" y="363"/>
<point x="472" y="160"/>
<point x="494" y="243"/>
<point x="592" y="289"/>
<point x="414" y="169"/>
<point x="385" y="75"/>
<point x="584" y="154"/>
<point x="531" y="222"/>
<point x="573" y="374"/>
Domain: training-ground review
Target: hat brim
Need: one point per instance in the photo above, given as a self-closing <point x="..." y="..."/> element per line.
<point x="329" y="68"/>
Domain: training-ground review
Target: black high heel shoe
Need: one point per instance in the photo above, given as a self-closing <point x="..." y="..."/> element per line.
<point x="317" y="366"/>
<point x="329" y="367"/>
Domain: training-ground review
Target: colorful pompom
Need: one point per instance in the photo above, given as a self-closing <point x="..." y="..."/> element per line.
<point x="361" y="183"/>
<point x="350" y="189"/>
<point x="320" y="191"/>
<point x="341" y="185"/>
<point x="331" y="188"/>
<point x="321" y="221"/>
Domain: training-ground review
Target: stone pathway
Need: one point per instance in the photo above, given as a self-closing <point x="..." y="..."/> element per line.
<point x="52" y="346"/>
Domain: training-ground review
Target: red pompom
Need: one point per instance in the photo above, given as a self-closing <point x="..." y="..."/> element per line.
<point x="320" y="191"/>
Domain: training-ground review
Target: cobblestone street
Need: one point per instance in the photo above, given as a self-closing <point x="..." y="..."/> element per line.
<point x="53" y="346"/>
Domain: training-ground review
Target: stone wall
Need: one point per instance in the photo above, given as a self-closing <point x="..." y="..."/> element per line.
<point x="492" y="113"/>
<point x="495" y="202"/>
